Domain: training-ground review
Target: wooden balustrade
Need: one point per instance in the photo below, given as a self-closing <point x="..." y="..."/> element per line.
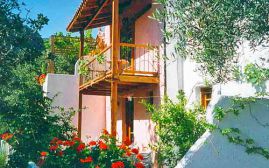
<point x="134" y="59"/>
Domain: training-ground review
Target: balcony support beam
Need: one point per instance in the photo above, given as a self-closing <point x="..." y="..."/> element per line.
<point x="81" y="47"/>
<point x="81" y="53"/>
<point x="115" y="55"/>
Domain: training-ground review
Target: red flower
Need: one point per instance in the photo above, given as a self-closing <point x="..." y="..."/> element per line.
<point x="68" y="143"/>
<point x="92" y="143"/>
<point x="102" y="145"/>
<point x="127" y="141"/>
<point x="105" y="132"/>
<point x="139" y="157"/>
<point x="41" y="79"/>
<point x="86" y="160"/>
<point x="44" y="153"/>
<point x="135" y="151"/>
<point x="128" y="153"/>
<point x="59" y="142"/>
<point x="60" y="153"/>
<point x="139" y="165"/>
<point x="54" y="147"/>
<point x="54" y="140"/>
<point x="6" y="136"/>
<point x="80" y="147"/>
<point x="124" y="147"/>
<point x="118" y="164"/>
<point x="77" y="139"/>
<point x="97" y="166"/>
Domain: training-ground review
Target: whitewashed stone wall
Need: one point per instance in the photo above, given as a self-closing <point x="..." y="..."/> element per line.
<point x="213" y="150"/>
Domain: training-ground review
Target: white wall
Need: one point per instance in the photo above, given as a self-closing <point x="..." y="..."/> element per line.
<point x="214" y="150"/>
<point x="63" y="89"/>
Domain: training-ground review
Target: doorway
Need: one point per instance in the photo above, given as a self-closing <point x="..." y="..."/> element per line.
<point x="129" y="118"/>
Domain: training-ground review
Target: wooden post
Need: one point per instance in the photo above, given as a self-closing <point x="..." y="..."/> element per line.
<point x="115" y="55"/>
<point x="81" y="53"/>
<point x="81" y="50"/>
<point x="52" y="44"/>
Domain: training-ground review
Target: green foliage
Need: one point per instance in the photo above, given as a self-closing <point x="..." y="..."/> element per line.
<point x="101" y="59"/>
<point x="28" y="115"/>
<point x="67" y="50"/>
<point x="83" y="68"/>
<point x="20" y="42"/>
<point x="256" y="75"/>
<point x="177" y="128"/>
<point x="210" y="31"/>
<point x="3" y="159"/>
<point x="24" y="111"/>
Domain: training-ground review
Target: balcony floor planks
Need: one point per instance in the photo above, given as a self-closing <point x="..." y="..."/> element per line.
<point x="127" y="84"/>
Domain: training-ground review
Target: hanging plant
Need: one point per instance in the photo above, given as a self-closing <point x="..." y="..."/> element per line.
<point x="83" y="67"/>
<point x="101" y="59"/>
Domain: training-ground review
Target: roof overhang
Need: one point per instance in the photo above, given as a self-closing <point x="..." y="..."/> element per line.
<point x="98" y="13"/>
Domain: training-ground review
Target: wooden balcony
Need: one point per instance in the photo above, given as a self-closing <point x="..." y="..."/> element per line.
<point x="137" y="67"/>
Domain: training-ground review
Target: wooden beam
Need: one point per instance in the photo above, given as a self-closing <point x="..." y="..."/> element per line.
<point x="77" y="15"/>
<point x="52" y="44"/>
<point x="114" y="107"/>
<point x="81" y="48"/>
<point x="96" y="25"/>
<point x="115" y="55"/>
<point x="97" y="13"/>
<point x="138" y="79"/>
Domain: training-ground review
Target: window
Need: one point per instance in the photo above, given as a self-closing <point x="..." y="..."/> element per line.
<point x="206" y="93"/>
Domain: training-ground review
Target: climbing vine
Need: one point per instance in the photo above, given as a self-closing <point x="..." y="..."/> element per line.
<point x="234" y="135"/>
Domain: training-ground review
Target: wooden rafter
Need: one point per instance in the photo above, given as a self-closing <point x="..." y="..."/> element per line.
<point x="77" y="15"/>
<point x="97" y="13"/>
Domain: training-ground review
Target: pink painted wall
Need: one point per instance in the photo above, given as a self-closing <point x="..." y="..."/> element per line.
<point x="143" y="126"/>
<point x="93" y="116"/>
<point x="147" y="31"/>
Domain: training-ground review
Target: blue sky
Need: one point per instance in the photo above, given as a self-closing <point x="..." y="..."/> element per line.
<point x="59" y="12"/>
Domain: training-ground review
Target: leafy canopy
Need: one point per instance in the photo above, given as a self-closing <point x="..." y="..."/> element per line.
<point x="210" y="31"/>
<point x="25" y="113"/>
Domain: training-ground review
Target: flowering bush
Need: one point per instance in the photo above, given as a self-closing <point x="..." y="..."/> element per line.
<point x="6" y="136"/>
<point x="41" y="79"/>
<point x="103" y="153"/>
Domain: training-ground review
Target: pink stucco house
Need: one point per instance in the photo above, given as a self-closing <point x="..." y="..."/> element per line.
<point x="124" y="69"/>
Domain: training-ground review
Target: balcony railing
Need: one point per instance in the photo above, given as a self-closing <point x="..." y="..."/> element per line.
<point x="135" y="59"/>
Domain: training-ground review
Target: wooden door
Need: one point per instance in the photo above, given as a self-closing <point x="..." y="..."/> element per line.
<point x="129" y="118"/>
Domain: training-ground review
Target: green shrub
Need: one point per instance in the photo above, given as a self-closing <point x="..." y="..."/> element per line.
<point x="177" y="128"/>
<point x="2" y="160"/>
